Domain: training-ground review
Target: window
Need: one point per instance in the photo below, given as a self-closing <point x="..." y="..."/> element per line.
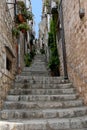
<point x="8" y="64"/>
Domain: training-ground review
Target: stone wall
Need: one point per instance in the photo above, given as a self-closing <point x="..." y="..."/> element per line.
<point x="6" y="44"/>
<point x="60" y="52"/>
<point x="76" y="44"/>
<point x="21" y="52"/>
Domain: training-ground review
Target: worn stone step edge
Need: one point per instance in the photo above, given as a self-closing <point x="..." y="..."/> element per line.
<point x="41" y="85"/>
<point x="40" y="105"/>
<point x="40" y="78"/>
<point x="42" y="97"/>
<point x="45" y="124"/>
<point x="32" y="71"/>
<point x="36" y="73"/>
<point x="42" y="91"/>
<point x="26" y="80"/>
<point x="41" y="113"/>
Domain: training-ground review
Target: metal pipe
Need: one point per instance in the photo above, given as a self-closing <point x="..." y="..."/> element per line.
<point x="15" y="9"/>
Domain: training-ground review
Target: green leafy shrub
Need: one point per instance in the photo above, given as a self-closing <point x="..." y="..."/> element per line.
<point x="42" y="51"/>
<point x="54" y="61"/>
<point x="27" y="60"/>
<point x="50" y="39"/>
<point x="27" y="14"/>
<point x="24" y="26"/>
<point x="29" y="57"/>
<point x="15" y="32"/>
<point x="21" y="5"/>
<point x="32" y="54"/>
<point x="23" y="10"/>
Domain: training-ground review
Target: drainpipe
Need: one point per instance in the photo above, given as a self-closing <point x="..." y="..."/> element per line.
<point x="63" y="40"/>
<point x="15" y="8"/>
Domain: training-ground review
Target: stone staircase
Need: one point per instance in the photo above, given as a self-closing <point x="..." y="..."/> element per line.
<point x="37" y="101"/>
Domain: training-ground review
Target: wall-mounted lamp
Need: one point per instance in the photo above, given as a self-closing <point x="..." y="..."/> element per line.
<point x="81" y="11"/>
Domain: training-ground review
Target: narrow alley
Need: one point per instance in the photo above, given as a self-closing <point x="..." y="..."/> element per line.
<point x="43" y="77"/>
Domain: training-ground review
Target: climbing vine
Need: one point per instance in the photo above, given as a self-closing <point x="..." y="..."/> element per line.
<point x="54" y="62"/>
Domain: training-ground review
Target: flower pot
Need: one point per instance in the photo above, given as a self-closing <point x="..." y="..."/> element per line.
<point x="16" y="48"/>
<point x="23" y="31"/>
<point x="21" y="18"/>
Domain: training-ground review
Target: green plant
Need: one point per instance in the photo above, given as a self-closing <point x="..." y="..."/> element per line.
<point x="24" y="26"/>
<point x="27" y="59"/>
<point x="27" y="14"/>
<point x="46" y="3"/>
<point x="21" y="5"/>
<point x="42" y="51"/>
<point x="54" y="61"/>
<point x="15" y="32"/>
<point x="54" y="58"/>
<point x="50" y="39"/>
<point x="53" y="29"/>
<point x="23" y="10"/>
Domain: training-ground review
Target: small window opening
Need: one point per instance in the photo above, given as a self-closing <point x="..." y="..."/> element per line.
<point x="8" y="64"/>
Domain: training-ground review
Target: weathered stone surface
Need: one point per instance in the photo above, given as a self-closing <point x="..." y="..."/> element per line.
<point x="43" y="103"/>
<point x="76" y="40"/>
<point x="6" y="39"/>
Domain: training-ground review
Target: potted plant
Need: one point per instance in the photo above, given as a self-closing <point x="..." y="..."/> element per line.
<point x="23" y="27"/>
<point x="20" y="6"/>
<point x="21" y="18"/>
<point x="27" y="14"/>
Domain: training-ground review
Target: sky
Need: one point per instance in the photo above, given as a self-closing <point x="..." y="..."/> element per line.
<point x="37" y="10"/>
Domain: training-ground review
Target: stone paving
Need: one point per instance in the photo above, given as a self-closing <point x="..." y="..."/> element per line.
<point x="38" y="101"/>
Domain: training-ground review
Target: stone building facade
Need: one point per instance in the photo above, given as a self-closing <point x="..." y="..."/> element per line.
<point x="7" y="51"/>
<point x="75" y="29"/>
<point x="74" y="38"/>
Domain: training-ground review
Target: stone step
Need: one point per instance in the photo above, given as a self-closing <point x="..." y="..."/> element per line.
<point x="39" y="58"/>
<point x="45" y="124"/>
<point x="42" y="97"/>
<point x="41" y="79"/>
<point x="37" y="64"/>
<point x="42" y="105"/>
<point x="35" y="69"/>
<point x="45" y="114"/>
<point x="35" y="73"/>
<point x="33" y="85"/>
<point x="39" y="102"/>
<point x="19" y="91"/>
<point x="37" y="61"/>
